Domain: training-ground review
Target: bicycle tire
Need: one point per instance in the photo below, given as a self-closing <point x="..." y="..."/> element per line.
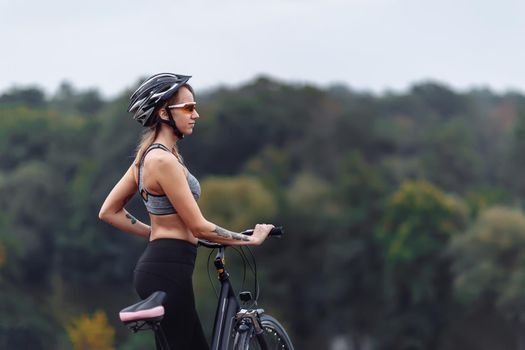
<point x="274" y="336"/>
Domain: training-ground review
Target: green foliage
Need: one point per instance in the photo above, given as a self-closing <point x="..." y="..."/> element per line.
<point x="67" y="98"/>
<point x="3" y="255"/>
<point x="364" y="254"/>
<point x="490" y="261"/>
<point x="309" y="195"/>
<point x="516" y="158"/>
<point x="239" y="202"/>
<point x="484" y="197"/>
<point x="272" y="166"/>
<point x="419" y="221"/>
<point x="33" y="187"/>
<point x="360" y="190"/>
<point x="450" y="159"/>
<point x="30" y="96"/>
<point x="139" y="341"/>
<point x="25" y="324"/>
<point x="437" y="98"/>
<point x="352" y="256"/>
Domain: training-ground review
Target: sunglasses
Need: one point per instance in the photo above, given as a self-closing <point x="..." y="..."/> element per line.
<point x="189" y="106"/>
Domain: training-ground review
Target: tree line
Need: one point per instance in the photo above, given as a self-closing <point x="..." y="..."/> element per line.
<point x="403" y="213"/>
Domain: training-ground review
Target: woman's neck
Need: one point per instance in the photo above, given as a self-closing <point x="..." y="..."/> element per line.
<point x="167" y="138"/>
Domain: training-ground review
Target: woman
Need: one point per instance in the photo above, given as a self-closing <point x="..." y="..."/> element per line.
<point x="165" y="104"/>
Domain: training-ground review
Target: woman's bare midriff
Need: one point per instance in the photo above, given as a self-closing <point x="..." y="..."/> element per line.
<point x="170" y="226"/>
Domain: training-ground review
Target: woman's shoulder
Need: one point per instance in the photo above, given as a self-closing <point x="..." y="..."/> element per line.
<point x="158" y="160"/>
<point x="157" y="157"/>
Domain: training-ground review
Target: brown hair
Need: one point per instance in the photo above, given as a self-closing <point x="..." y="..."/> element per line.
<point x="152" y="132"/>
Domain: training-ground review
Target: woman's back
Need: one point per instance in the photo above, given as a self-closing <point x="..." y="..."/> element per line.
<point x="165" y="222"/>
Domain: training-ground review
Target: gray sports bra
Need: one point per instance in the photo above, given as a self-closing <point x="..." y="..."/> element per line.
<point x="160" y="204"/>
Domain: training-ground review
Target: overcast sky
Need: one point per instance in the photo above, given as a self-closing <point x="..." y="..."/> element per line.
<point x="365" y="44"/>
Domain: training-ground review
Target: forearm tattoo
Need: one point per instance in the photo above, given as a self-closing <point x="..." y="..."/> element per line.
<point x="133" y="220"/>
<point x="229" y="234"/>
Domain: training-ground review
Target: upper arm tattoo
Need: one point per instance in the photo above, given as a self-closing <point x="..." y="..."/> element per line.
<point x="229" y="234"/>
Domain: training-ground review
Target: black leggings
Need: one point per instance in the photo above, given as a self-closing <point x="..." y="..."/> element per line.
<point x="167" y="265"/>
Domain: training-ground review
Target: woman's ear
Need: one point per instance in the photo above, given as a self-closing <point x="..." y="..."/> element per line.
<point x="162" y="113"/>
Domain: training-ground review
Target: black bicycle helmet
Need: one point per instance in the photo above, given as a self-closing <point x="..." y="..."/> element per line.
<point x="153" y="93"/>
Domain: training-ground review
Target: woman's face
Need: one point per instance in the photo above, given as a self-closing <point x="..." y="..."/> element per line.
<point x="184" y="111"/>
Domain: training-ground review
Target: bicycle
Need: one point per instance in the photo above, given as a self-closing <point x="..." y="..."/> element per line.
<point x="234" y="328"/>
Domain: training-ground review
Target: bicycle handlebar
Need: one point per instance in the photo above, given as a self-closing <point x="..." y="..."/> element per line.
<point x="276" y="232"/>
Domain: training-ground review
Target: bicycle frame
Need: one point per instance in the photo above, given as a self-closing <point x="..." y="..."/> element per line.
<point x="227" y="307"/>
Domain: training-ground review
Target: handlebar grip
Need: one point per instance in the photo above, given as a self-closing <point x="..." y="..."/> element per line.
<point x="276" y="232"/>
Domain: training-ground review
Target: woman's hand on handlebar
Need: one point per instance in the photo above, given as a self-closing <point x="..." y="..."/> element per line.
<point x="260" y="232"/>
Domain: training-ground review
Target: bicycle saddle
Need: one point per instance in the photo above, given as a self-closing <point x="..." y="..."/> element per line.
<point x="149" y="309"/>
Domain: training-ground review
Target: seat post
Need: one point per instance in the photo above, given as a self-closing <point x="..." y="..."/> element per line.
<point x="160" y="336"/>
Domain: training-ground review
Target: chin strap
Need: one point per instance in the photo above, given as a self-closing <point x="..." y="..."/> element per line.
<point x="171" y="122"/>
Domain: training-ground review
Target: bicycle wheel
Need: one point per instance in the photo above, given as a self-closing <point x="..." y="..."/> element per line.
<point x="273" y="337"/>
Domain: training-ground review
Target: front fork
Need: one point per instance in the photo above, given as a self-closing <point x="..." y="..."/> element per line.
<point x="246" y="317"/>
<point x="249" y="320"/>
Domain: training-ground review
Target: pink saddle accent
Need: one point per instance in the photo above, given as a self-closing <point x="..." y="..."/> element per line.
<point x="142" y="314"/>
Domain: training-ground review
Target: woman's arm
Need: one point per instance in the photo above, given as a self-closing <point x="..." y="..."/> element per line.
<point x="113" y="212"/>
<point x="173" y="182"/>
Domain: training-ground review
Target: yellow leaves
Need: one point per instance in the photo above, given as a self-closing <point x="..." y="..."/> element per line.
<point x="417" y="194"/>
<point x="420" y="219"/>
<point x="91" y="333"/>
<point x="425" y="198"/>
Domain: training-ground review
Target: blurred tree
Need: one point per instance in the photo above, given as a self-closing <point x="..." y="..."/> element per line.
<point x="92" y="252"/>
<point x="449" y="157"/>
<point x="489" y="265"/>
<point x="3" y="255"/>
<point x="438" y="98"/>
<point x="25" y="324"/>
<point x="418" y="223"/>
<point x="237" y="203"/>
<point x="483" y="197"/>
<point x="91" y="333"/>
<point x="293" y="141"/>
<point x="272" y="166"/>
<point x="69" y="99"/>
<point x="89" y="102"/>
<point x="30" y="97"/>
<point x="139" y="341"/>
<point x="297" y="280"/>
<point x="353" y="258"/>
<point x="24" y="135"/>
<point x="239" y="123"/>
<point x="34" y="188"/>
<point x="515" y="166"/>
<point x="64" y="97"/>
